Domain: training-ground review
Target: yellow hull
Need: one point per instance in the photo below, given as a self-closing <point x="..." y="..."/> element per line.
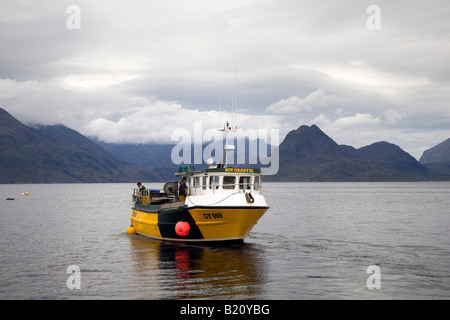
<point x="226" y="223"/>
<point x="145" y="223"/>
<point x="206" y="223"/>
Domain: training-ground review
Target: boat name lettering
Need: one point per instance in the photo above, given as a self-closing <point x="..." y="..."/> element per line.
<point x="216" y="215"/>
<point x="241" y="170"/>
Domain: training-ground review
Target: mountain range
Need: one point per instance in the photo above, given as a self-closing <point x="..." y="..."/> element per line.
<point x="308" y="154"/>
<point x="50" y="154"/>
<point x="57" y="154"/>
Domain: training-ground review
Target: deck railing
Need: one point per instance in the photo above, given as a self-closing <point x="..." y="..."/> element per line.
<point x="144" y="196"/>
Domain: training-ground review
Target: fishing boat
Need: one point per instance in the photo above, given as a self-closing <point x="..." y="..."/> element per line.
<point x="222" y="204"/>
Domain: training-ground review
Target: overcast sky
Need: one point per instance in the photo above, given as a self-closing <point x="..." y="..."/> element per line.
<point x="136" y="70"/>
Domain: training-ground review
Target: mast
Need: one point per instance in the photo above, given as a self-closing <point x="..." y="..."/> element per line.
<point x="227" y="147"/>
<point x="227" y="128"/>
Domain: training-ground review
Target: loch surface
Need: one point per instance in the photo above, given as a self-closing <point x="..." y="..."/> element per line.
<point x="317" y="241"/>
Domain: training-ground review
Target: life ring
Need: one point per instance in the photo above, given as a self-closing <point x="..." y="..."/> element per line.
<point x="249" y="197"/>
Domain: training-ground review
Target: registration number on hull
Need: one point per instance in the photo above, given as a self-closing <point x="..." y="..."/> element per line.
<point x="212" y="216"/>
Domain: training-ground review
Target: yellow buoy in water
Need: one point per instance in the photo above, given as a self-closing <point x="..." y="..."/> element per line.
<point x="131" y="230"/>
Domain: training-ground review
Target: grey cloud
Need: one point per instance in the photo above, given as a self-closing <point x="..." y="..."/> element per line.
<point x="129" y="54"/>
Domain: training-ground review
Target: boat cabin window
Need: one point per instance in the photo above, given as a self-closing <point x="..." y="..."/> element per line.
<point x="229" y="182"/>
<point x="244" y="183"/>
<point x="214" y="182"/>
<point x="223" y="182"/>
<point x="256" y="184"/>
<point x="204" y="182"/>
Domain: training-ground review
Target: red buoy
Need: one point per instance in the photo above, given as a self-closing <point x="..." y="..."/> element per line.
<point x="182" y="228"/>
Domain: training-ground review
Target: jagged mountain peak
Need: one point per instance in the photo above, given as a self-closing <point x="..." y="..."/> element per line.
<point x="308" y="154"/>
<point x="438" y="153"/>
<point x="310" y="142"/>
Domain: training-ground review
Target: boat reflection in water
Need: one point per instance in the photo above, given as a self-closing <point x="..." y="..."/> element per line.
<point x="172" y="271"/>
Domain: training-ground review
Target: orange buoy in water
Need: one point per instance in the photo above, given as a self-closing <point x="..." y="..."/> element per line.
<point x="131" y="230"/>
<point x="182" y="228"/>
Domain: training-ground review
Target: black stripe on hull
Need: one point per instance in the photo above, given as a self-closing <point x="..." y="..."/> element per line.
<point x="167" y="219"/>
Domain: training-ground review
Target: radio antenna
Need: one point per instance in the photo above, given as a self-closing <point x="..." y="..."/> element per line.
<point x="220" y="108"/>
<point x="234" y="102"/>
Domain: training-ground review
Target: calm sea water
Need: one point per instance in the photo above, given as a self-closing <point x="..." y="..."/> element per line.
<point x="317" y="241"/>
